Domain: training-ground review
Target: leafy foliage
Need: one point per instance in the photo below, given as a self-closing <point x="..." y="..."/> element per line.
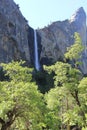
<point x="19" y="98"/>
<point x="70" y="92"/>
<point x="74" y="51"/>
<point x="63" y="104"/>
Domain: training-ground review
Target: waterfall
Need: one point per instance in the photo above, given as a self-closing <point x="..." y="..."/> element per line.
<point x="37" y="65"/>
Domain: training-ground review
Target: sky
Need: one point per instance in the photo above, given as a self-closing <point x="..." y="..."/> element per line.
<point x="40" y="13"/>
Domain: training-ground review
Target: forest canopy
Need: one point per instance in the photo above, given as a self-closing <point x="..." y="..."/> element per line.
<point x="64" y="107"/>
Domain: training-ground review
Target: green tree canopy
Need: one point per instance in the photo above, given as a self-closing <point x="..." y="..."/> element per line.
<point x="69" y="95"/>
<point x="74" y="52"/>
<point x="21" y="103"/>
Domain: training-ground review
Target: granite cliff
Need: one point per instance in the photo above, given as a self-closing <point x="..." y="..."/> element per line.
<point x="14" y="33"/>
<point x="56" y="37"/>
<point x="17" y="37"/>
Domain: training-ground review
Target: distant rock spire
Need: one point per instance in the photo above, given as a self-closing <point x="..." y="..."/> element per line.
<point x="78" y="23"/>
<point x="79" y="16"/>
<point x="59" y="35"/>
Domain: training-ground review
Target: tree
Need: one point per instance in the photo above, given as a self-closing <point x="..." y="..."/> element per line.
<point x="74" y="52"/>
<point x="21" y="104"/>
<point x="67" y="95"/>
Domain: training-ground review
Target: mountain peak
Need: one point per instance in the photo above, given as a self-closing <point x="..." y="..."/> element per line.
<point x="79" y="15"/>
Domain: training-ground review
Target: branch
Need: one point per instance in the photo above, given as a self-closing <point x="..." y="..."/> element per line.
<point x="2" y="121"/>
<point x="77" y="99"/>
<point x="75" y="95"/>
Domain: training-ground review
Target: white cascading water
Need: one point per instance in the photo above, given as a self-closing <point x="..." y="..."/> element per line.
<point x="37" y="65"/>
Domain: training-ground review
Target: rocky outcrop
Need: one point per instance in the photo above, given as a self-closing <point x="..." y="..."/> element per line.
<point x="59" y="35"/>
<point x="15" y="34"/>
<point x="17" y="37"/>
<point x="78" y="23"/>
<point x="54" y="40"/>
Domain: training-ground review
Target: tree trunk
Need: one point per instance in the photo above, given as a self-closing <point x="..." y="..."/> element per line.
<point x="68" y="126"/>
<point x="5" y="127"/>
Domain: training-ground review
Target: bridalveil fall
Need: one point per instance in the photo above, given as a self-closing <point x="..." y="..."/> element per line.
<point x="37" y="65"/>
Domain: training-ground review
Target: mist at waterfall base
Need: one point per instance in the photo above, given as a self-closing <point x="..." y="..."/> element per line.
<point x="37" y="64"/>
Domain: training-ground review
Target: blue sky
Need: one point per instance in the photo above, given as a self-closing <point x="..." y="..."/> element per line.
<point x="40" y="13"/>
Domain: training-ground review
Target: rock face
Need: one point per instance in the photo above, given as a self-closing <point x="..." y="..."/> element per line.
<point x="54" y="40"/>
<point x="17" y="37"/>
<point x="59" y="35"/>
<point x="14" y="33"/>
<point x="78" y="23"/>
